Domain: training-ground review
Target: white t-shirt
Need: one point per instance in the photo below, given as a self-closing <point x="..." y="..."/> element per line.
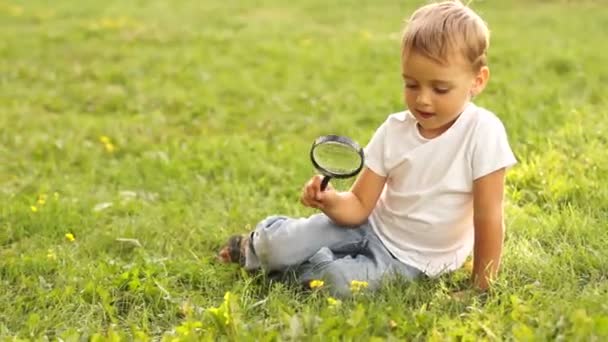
<point x="425" y="213"/>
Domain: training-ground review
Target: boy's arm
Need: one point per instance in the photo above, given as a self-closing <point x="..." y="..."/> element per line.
<point x="351" y="208"/>
<point x="488" y="194"/>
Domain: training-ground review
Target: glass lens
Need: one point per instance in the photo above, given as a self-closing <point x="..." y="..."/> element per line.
<point x="336" y="157"/>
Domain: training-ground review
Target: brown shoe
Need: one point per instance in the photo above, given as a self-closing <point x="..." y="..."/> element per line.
<point x="234" y="250"/>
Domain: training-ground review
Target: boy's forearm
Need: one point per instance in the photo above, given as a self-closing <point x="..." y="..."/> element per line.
<point x="347" y="210"/>
<point x="483" y="276"/>
<point x="487" y="252"/>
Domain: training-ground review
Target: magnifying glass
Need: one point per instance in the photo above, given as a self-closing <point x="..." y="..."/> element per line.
<point x="336" y="156"/>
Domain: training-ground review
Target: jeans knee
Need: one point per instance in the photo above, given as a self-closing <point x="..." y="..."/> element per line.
<point x="338" y="280"/>
<point x="264" y="250"/>
<point x="270" y="246"/>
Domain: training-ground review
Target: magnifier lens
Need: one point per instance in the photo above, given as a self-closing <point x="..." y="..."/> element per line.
<point x="337" y="158"/>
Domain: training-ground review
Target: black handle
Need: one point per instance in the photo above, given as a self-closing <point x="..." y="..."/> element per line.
<point x="324" y="182"/>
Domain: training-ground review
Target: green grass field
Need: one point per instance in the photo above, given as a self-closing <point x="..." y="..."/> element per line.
<point x="152" y="130"/>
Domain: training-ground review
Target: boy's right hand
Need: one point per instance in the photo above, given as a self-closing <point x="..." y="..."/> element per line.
<point x="313" y="197"/>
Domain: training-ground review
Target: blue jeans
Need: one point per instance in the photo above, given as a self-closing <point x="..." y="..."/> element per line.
<point x="316" y="248"/>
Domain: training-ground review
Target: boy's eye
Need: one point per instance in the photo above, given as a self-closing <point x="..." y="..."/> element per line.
<point x="441" y="90"/>
<point x="411" y="86"/>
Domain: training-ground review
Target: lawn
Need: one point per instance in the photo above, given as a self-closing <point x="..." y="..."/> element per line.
<point x="136" y="136"/>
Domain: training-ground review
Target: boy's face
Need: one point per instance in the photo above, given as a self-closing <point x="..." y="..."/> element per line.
<point x="437" y="93"/>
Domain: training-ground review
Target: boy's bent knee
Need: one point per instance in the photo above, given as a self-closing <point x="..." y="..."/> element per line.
<point x="270" y="244"/>
<point x="337" y="284"/>
<point x="339" y="277"/>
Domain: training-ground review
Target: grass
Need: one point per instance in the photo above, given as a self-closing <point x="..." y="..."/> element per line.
<point x="207" y="111"/>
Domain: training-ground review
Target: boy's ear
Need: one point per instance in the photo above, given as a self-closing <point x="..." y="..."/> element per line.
<point x="480" y="81"/>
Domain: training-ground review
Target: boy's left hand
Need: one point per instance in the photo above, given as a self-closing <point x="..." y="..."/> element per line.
<point x="312" y="195"/>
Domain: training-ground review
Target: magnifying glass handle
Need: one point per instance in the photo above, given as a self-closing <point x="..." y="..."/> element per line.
<point x="324" y="182"/>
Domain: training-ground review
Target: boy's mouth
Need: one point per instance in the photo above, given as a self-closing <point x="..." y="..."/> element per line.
<point x="425" y="115"/>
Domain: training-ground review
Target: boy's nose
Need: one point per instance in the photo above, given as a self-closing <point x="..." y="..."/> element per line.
<point x="423" y="98"/>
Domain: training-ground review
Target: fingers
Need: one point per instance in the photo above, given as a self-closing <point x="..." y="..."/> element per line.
<point x="309" y="191"/>
<point x="316" y="181"/>
<point x="312" y="196"/>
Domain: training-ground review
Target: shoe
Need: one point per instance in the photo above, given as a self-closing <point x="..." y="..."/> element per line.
<point x="234" y="250"/>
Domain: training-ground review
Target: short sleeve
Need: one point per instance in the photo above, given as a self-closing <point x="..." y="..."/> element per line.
<point x="375" y="151"/>
<point x="492" y="150"/>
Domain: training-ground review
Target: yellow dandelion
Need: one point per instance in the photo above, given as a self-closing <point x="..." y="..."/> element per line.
<point x="50" y="254"/>
<point x="306" y="42"/>
<point x="107" y="143"/>
<point x="33" y="208"/>
<point x="110" y="147"/>
<point x="114" y="23"/>
<point x="70" y="237"/>
<point x="366" y="35"/>
<point x="333" y="301"/>
<point x="41" y="199"/>
<point x="356" y="286"/>
<point x="15" y="11"/>
<point x="316" y="284"/>
<point x="42" y="15"/>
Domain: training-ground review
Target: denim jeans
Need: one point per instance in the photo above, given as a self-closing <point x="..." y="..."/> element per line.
<point x="316" y="248"/>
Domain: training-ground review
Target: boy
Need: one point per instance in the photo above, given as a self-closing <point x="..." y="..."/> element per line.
<point x="432" y="187"/>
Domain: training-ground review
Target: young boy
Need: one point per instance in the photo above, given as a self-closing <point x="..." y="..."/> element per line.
<point x="432" y="187"/>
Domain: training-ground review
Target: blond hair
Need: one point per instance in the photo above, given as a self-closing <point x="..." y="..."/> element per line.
<point x="439" y="29"/>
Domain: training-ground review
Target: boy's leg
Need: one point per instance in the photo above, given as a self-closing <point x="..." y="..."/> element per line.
<point x="339" y="272"/>
<point x="279" y="242"/>
<point x="371" y="264"/>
